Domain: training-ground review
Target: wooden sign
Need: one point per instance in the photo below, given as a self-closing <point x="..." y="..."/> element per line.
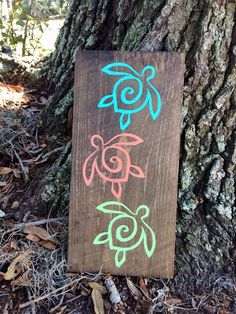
<point x="126" y="137"/>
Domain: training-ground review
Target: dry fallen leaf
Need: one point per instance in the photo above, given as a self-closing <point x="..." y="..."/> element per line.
<point x="133" y="289"/>
<point x="32" y="237"/>
<point x="18" y="264"/>
<point x="95" y="285"/>
<point x="10" y="247"/>
<point x="143" y="287"/>
<point x="13" y="93"/>
<point x="17" y="173"/>
<point x="5" y="170"/>
<point x="70" y="274"/>
<point x="3" y="123"/>
<point x="23" y="280"/>
<point x="14" y="244"/>
<point x="39" y="232"/>
<point x="173" y="301"/>
<point x="15" y="205"/>
<point x="97" y="292"/>
<point x="98" y="302"/>
<point x="5" y="189"/>
<point x="48" y="244"/>
<point x="62" y="309"/>
<point x="11" y="88"/>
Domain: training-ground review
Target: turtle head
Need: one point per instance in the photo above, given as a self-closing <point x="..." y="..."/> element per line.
<point x="142" y="211"/>
<point x="149" y="72"/>
<point x="96" y="140"/>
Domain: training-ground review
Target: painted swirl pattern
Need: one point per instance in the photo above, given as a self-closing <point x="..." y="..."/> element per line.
<point x="132" y="92"/>
<point x="126" y="230"/>
<point x="111" y="161"/>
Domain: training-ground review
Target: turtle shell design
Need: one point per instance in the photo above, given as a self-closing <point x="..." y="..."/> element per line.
<point x="111" y="161"/>
<point x="132" y="92"/>
<point x="126" y="231"/>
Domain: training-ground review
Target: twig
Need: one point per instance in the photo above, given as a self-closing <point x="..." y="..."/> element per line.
<point x="5" y="310"/>
<point x="54" y="151"/>
<point x="44" y="156"/>
<point x="36" y="136"/>
<point x="38" y="222"/>
<point x="59" y="304"/>
<point x="13" y="137"/>
<point x="32" y="161"/>
<point x="72" y="283"/>
<point x="73" y="299"/>
<point x="203" y="300"/>
<point x="25" y="175"/>
<point x="33" y="309"/>
<point x="21" y="306"/>
<point x="35" y="152"/>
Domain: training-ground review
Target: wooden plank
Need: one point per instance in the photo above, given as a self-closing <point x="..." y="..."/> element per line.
<point x="125" y="162"/>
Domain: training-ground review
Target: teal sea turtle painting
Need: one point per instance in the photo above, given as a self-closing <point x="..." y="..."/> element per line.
<point x="132" y="92"/>
<point x="126" y="231"/>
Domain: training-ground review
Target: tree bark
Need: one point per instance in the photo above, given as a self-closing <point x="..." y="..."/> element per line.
<point x="206" y="32"/>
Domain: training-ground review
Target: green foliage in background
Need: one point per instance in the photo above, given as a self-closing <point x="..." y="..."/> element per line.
<point x="23" y="22"/>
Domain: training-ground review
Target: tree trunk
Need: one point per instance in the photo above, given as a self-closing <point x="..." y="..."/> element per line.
<point x="206" y="32"/>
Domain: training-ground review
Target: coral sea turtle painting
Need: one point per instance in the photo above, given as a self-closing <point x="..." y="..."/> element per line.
<point x="126" y="231"/>
<point x="132" y="92"/>
<point x="111" y="161"/>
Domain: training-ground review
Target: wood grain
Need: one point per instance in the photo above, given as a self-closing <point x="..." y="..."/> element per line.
<point x="157" y="156"/>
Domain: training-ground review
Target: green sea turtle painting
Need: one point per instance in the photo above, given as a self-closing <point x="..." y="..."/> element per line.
<point x="126" y="231"/>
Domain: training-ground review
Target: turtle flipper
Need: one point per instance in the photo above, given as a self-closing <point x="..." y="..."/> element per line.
<point x="108" y="208"/>
<point x="116" y="189"/>
<point x="106" y="101"/>
<point x="149" y="245"/>
<point x="89" y="168"/>
<point x="119" y="69"/>
<point x="120" y="258"/>
<point x="101" y="238"/>
<point x="136" y="171"/>
<point x="125" y="139"/>
<point x="124" y="121"/>
<point x="155" y="103"/>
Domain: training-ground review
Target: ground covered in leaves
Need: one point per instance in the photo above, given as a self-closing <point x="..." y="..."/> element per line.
<point x="33" y="243"/>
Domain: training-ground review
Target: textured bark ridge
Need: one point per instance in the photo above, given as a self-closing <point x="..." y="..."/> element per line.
<point x="206" y="32"/>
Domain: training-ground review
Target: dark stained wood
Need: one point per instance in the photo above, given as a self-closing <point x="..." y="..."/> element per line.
<point x="157" y="156"/>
